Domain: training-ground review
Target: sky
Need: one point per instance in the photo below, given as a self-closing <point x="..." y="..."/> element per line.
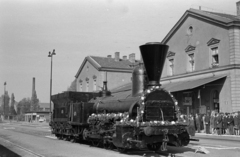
<point x="29" y="29"/>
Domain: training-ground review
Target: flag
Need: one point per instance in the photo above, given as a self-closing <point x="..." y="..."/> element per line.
<point x="199" y="94"/>
<point x="5" y="83"/>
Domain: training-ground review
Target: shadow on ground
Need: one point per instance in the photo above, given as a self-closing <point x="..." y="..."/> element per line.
<point x="4" y="152"/>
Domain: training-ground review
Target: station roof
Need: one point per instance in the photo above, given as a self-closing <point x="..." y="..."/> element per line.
<point x="109" y="64"/>
<point x="175" y="86"/>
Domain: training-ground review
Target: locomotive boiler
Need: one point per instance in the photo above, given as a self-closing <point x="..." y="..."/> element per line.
<point x="144" y="117"/>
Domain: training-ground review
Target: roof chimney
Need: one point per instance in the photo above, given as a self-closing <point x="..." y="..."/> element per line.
<point x="132" y="57"/>
<point x="238" y="8"/>
<point x="109" y="56"/>
<point x="117" y="56"/>
<point x="124" y="58"/>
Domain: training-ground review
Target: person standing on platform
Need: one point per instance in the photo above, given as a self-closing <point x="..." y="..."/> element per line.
<point x="204" y="124"/>
<point x="212" y="122"/>
<point x="219" y="124"/>
<point x="207" y="123"/>
<point x="230" y="123"/>
<point x="215" y="122"/>
<point x="191" y="126"/>
<point x="197" y="120"/>
<point x="238" y="122"/>
<point x="235" y="123"/>
<point x="224" y="124"/>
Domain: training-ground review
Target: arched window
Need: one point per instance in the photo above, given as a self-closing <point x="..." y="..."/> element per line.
<point x="215" y="94"/>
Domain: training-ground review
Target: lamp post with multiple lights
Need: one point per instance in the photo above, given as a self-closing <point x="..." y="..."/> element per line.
<point x="51" y="55"/>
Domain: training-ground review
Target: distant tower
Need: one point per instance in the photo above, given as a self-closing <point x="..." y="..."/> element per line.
<point x="33" y="86"/>
<point x="34" y="95"/>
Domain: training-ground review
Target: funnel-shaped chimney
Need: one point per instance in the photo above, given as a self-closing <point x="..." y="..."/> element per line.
<point x="154" y="55"/>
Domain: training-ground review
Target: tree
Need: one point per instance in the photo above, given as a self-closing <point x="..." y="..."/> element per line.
<point x="12" y="109"/>
<point x="73" y="86"/>
<point x="5" y="103"/>
<point x="24" y="106"/>
<point x="34" y="102"/>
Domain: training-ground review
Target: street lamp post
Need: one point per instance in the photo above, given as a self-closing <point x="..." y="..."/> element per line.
<point x="51" y="55"/>
<point x="5" y="83"/>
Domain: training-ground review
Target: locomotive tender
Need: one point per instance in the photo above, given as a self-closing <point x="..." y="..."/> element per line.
<point x="145" y="117"/>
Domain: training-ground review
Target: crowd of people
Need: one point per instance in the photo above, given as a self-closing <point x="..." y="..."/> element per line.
<point x="214" y="123"/>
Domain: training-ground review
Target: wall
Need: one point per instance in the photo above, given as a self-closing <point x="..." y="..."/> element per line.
<point x="114" y="79"/>
<point x="202" y="33"/>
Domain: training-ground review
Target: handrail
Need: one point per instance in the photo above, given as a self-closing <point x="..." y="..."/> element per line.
<point x="162" y="114"/>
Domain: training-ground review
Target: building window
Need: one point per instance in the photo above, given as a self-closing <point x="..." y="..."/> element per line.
<point x="215" y="60"/>
<point x="94" y="85"/>
<point x="87" y="86"/>
<point x="191" y="62"/>
<point x="213" y="52"/>
<point x="80" y="89"/>
<point x="190" y="50"/>
<point x="170" y="57"/>
<point x="190" y="30"/>
<point x="171" y="66"/>
<point x="80" y="85"/>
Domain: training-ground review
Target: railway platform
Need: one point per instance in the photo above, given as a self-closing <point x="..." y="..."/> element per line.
<point x="214" y="136"/>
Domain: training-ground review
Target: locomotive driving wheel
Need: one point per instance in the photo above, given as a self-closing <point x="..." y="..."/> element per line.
<point x="154" y="146"/>
<point x="96" y="143"/>
<point x="108" y="145"/>
<point x="121" y="150"/>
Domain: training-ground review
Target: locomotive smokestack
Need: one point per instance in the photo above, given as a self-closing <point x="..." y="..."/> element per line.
<point x="153" y="55"/>
<point x="105" y="91"/>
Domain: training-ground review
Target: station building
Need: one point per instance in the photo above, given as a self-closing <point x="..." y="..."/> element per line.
<point x="95" y="70"/>
<point x="202" y="68"/>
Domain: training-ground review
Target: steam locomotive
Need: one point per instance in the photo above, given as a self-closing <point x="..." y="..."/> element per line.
<point x="145" y="117"/>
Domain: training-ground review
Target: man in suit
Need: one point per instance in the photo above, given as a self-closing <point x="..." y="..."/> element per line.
<point x="197" y="120"/>
<point x="207" y="123"/>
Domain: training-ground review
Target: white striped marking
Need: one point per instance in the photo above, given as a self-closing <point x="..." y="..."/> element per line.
<point x="52" y="137"/>
<point x="218" y="148"/>
<point x="7" y="128"/>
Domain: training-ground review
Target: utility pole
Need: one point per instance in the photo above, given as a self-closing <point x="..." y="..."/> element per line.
<point x="51" y="55"/>
<point x="5" y="83"/>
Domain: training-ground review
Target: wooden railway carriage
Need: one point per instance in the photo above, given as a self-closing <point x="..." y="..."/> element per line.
<point x="144" y="117"/>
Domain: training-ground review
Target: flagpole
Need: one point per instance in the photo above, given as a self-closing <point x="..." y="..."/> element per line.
<point x="199" y="97"/>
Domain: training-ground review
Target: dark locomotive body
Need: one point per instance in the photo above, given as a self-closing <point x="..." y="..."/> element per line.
<point x="144" y="117"/>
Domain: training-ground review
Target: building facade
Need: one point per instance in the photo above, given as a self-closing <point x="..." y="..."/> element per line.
<point x="202" y="68"/>
<point x="95" y="70"/>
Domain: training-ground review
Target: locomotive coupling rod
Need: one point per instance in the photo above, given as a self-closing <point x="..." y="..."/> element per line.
<point x="131" y="140"/>
<point x="192" y="139"/>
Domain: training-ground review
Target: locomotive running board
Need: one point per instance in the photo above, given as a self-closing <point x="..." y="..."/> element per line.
<point x="193" y="139"/>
